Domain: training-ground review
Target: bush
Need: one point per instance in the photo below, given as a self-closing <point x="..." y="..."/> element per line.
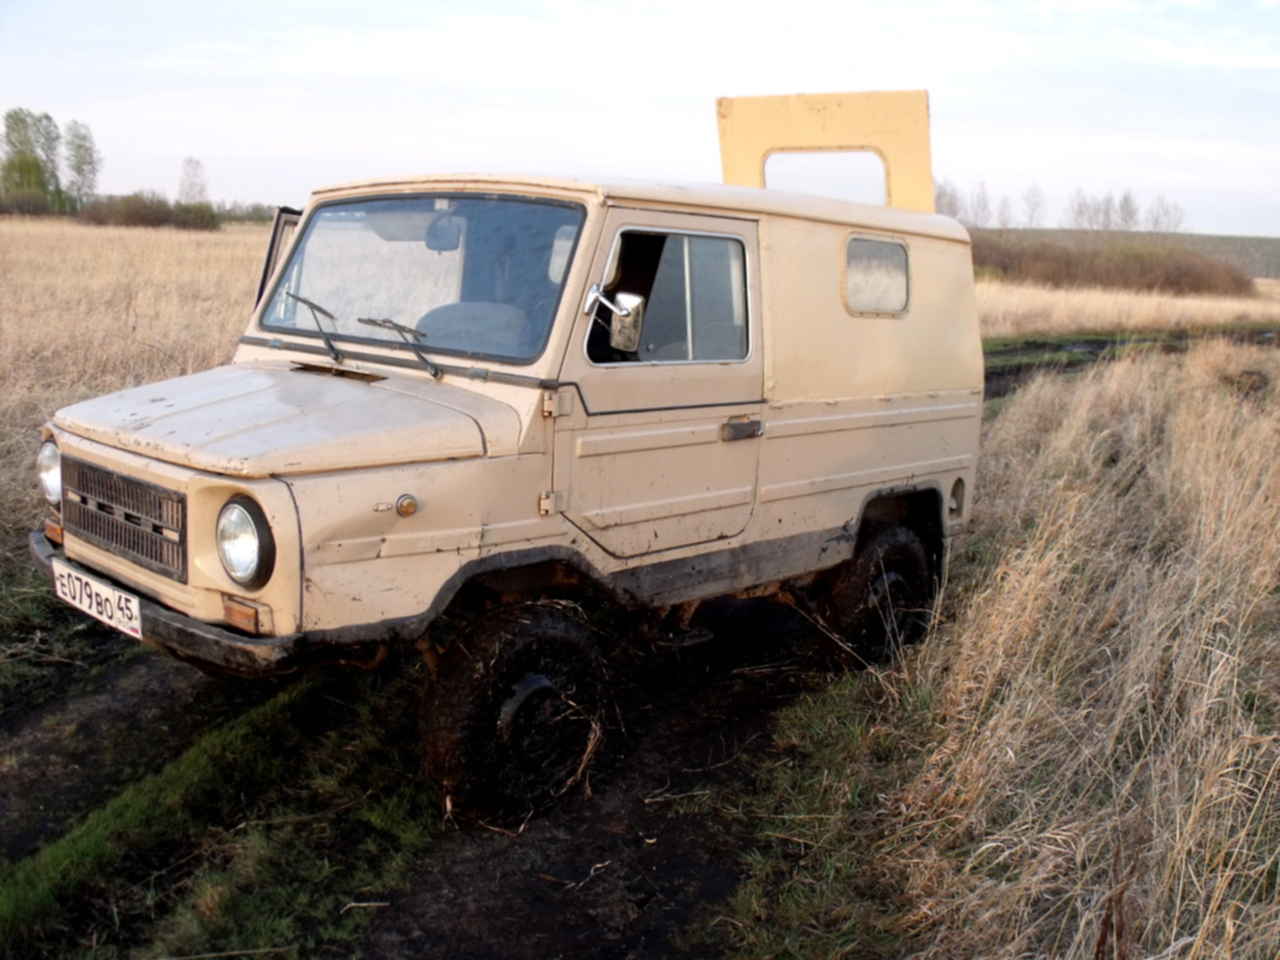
<point x="1120" y="263"/>
<point x="29" y="202"/>
<point x="145" y="209"/>
<point x="96" y="212"/>
<point x="249" y="212"/>
<point x="195" y="216"/>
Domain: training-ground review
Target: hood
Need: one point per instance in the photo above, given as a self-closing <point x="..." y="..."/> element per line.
<point x="255" y="420"/>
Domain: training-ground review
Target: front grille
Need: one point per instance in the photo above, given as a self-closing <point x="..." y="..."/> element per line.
<point x="132" y="518"/>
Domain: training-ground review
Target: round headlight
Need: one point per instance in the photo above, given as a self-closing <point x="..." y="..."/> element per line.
<point x="245" y="544"/>
<point x="49" y="469"/>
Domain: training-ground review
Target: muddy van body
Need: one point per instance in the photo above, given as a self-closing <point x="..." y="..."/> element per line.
<point x="665" y="393"/>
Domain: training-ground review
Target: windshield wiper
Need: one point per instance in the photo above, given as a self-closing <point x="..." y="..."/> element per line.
<point x="405" y="332"/>
<point x="316" y="311"/>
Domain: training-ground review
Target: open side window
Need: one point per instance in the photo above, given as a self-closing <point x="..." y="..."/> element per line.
<point x="281" y="233"/>
<point x="694" y="287"/>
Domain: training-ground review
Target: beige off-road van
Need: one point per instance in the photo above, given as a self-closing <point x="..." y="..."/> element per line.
<point x="662" y="393"/>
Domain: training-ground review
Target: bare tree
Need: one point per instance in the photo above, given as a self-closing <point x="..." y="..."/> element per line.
<point x="947" y="200"/>
<point x="48" y="144"/>
<point x="1033" y="207"/>
<point x="192" y="187"/>
<point x="1104" y="212"/>
<point x="1079" y="210"/>
<point x="1164" y="216"/>
<point x="19" y="132"/>
<point x="83" y="162"/>
<point x="30" y="134"/>
<point x="1004" y="213"/>
<point x="1127" y="212"/>
<point x="980" y="205"/>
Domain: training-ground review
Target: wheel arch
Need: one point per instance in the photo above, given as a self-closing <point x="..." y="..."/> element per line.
<point x="518" y="576"/>
<point x="917" y="508"/>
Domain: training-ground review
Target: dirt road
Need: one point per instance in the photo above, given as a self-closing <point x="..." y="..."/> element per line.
<point x="635" y="868"/>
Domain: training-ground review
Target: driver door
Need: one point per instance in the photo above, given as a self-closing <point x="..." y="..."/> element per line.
<point x="664" y="454"/>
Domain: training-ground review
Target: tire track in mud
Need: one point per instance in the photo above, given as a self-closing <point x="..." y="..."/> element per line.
<point x="67" y="757"/>
<point x="634" y="868"/>
<point x="623" y="872"/>
<point x="1010" y="366"/>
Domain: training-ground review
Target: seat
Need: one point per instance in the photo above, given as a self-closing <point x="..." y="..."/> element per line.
<point x="477" y="326"/>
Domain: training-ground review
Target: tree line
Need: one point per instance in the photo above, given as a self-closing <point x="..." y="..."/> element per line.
<point x="1083" y="211"/>
<point x="47" y="168"/>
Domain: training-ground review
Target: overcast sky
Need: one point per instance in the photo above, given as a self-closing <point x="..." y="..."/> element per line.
<point x="276" y="97"/>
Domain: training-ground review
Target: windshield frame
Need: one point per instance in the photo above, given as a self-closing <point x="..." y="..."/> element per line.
<point x="303" y="232"/>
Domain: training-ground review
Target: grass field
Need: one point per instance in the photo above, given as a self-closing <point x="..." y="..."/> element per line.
<point x="87" y="310"/>
<point x="1081" y="762"/>
<point x="1010" y="310"/>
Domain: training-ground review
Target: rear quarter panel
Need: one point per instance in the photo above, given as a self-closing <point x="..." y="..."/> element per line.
<point x="858" y="403"/>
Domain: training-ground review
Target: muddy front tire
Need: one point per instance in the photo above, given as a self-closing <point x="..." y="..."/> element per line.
<point x="880" y="599"/>
<point x="513" y="714"/>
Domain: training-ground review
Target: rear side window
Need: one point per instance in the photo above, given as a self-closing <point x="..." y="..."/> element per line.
<point x="695" y="294"/>
<point x="875" y="279"/>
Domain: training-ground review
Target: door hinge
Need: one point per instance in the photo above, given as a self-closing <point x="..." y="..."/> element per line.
<point x="549" y="503"/>
<point x="557" y="403"/>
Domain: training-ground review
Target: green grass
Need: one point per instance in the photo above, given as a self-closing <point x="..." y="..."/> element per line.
<point x="258" y="835"/>
<point x="162" y="809"/>
<point x="813" y="827"/>
<point x="46" y="647"/>
<point x="348" y="832"/>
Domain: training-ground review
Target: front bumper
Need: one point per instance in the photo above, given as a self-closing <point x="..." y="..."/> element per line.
<point x="224" y="650"/>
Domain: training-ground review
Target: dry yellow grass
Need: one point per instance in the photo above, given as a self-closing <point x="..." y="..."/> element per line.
<point x="1010" y="310"/>
<point x="86" y="310"/>
<point x="1108" y="763"/>
<point x="1083" y="761"/>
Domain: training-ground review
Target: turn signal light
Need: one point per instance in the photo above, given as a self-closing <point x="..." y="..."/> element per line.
<point x="246" y="615"/>
<point x="52" y="531"/>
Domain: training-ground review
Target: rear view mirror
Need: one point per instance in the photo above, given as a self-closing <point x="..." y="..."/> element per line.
<point x="627" y="326"/>
<point x="444" y="233"/>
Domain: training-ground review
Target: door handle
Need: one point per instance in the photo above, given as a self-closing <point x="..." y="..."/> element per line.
<point x="741" y="429"/>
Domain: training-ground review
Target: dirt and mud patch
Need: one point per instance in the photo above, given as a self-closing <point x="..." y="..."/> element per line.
<point x="66" y="757"/>
<point x="1009" y="363"/>
<point x="635" y="868"/>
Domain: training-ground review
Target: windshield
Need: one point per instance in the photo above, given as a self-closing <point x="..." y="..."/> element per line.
<point x="479" y="276"/>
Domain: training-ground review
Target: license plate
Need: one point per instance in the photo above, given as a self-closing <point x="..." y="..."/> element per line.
<point x="100" y="600"/>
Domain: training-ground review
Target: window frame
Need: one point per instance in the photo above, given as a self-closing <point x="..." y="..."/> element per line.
<point x="611" y="267"/>
<point x="451" y="193"/>
<point x="844" y="274"/>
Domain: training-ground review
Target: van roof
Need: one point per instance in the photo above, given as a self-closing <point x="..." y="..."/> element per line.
<point x="709" y="196"/>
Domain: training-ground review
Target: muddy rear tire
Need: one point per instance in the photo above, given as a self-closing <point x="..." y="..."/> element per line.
<point x="882" y="598"/>
<point x="514" y="714"/>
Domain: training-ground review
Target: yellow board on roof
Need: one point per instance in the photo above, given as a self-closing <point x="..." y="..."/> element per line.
<point x="894" y="124"/>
